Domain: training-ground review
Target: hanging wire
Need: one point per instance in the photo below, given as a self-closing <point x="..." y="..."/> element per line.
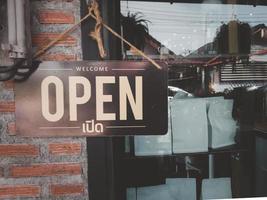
<point x="19" y="71"/>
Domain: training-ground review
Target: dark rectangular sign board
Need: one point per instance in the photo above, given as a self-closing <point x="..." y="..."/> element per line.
<point x="93" y="99"/>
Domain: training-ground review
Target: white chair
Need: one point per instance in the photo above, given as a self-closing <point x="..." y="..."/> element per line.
<point x="159" y="192"/>
<point x="216" y="188"/>
<point x="223" y="126"/>
<point x="182" y="188"/>
<point x="154" y="145"/>
<point x="131" y="193"/>
<point x="189" y="125"/>
<point x="174" y="189"/>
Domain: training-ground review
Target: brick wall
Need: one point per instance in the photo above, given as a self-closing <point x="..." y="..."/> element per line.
<point x="50" y="18"/>
<point x="43" y="168"/>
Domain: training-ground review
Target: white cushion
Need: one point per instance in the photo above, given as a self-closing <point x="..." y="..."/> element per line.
<point x="154" y="145"/>
<point x="182" y="188"/>
<point x="174" y="189"/>
<point x="223" y="126"/>
<point x="131" y="193"/>
<point x="216" y="188"/>
<point x="189" y="125"/>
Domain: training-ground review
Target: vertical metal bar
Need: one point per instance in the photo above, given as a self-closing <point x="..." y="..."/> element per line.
<point x="203" y="75"/>
<point x="104" y="153"/>
<point x="122" y="45"/>
<point x="111" y="15"/>
<point x="28" y="32"/>
<point x="11" y="18"/>
<point x="21" y="32"/>
<point x="211" y="166"/>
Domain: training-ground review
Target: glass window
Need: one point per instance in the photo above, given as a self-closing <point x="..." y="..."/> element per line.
<point x="217" y="63"/>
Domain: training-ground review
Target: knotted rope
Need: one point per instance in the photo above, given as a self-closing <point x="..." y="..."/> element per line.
<point x="96" y="35"/>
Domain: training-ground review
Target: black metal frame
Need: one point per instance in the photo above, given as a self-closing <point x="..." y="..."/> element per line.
<point x="108" y="168"/>
<point x="104" y="153"/>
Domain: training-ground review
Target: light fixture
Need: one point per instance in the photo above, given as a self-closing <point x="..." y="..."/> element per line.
<point x="20" y="71"/>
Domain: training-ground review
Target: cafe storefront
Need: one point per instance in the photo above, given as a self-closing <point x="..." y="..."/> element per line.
<point x="134" y="100"/>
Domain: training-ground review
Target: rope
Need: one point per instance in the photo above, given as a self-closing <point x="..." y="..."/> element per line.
<point x="96" y="34"/>
<point x="60" y="37"/>
<point x="131" y="45"/>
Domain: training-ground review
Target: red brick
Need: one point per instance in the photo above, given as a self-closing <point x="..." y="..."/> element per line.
<point x="11" y="128"/>
<point x="15" y="191"/>
<point x="43" y="38"/>
<point x="18" y="150"/>
<point x="7" y="106"/>
<point x="55" y="169"/>
<point x="9" y="85"/>
<point x="59" y="190"/>
<point x="64" y="148"/>
<point x="55" y="17"/>
<point x="59" y="57"/>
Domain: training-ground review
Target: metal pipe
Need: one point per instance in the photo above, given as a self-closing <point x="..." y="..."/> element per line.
<point x="203" y="85"/>
<point x="211" y="166"/>
<point x="12" y="31"/>
<point x="21" y="30"/>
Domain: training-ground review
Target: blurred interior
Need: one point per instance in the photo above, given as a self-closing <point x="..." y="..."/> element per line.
<point x="213" y="49"/>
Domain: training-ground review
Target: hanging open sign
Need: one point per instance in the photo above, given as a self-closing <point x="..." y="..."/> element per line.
<point x="93" y="99"/>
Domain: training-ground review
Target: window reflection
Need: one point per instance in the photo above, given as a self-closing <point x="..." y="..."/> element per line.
<point x="187" y="29"/>
<point x="217" y="61"/>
